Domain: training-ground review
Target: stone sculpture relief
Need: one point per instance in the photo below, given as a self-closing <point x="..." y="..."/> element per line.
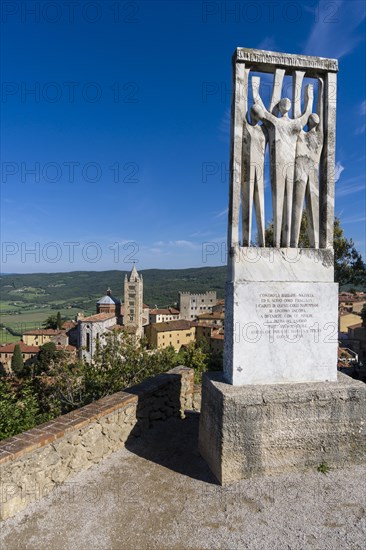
<point x="308" y="151"/>
<point x="295" y="145"/>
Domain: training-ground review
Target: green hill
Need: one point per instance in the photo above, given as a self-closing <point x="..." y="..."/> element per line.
<point x="81" y="289"/>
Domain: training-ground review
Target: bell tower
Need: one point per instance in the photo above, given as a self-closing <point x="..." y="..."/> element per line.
<point x="133" y="294"/>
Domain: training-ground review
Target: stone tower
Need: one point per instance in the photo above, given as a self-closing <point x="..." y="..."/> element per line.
<point x="133" y="305"/>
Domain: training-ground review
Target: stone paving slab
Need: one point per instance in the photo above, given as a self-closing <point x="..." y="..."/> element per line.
<point x="159" y="494"/>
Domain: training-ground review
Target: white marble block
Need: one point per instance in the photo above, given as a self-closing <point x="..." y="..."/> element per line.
<point x="281" y="316"/>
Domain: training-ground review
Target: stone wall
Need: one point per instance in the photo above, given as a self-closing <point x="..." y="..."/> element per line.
<point x="37" y="461"/>
<point x="196" y="400"/>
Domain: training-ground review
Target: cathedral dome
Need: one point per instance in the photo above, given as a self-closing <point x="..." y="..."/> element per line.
<point x="108" y="299"/>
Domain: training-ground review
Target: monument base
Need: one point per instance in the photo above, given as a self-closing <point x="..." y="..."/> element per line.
<point x="281" y="318"/>
<point x="271" y="429"/>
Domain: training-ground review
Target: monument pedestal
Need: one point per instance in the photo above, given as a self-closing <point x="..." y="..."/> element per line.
<point x="281" y="318"/>
<point x="270" y="429"/>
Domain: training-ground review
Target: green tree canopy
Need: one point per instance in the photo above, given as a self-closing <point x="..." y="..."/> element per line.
<point x="46" y="356"/>
<point x="349" y="267"/>
<point x="58" y="320"/>
<point x="17" y="363"/>
<point x="51" y="322"/>
<point x="363" y="315"/>
<point x="19" y="409"/>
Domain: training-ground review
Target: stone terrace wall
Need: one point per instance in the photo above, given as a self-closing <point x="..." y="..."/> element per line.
<point x="37" y="461"/>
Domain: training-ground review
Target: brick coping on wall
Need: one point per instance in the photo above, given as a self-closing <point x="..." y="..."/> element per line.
<point x="17" y="446"/>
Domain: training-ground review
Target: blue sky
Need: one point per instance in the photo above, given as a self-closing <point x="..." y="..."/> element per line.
<point x="127" y="129"/>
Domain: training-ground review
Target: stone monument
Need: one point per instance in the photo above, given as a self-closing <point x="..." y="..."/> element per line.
<point x="281" y="320"/>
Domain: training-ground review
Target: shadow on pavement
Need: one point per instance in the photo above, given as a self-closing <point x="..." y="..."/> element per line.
<point x="174" y="444"/>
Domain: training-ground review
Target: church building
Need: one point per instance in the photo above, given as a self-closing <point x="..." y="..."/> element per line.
<point x="111" y="315"/>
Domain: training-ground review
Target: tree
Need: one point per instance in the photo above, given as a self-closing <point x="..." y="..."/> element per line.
<point x="50" y="322"/>
<point x="46" y="356"/>
<point x="19" y="409"/>
<point x="196" y="356"/>
<point x="349" y="267"/>
<point x="58" y="320"/>
<point x="121" y="361"/>
<point x="363" y="315"/>
<point x="17" y="364"/>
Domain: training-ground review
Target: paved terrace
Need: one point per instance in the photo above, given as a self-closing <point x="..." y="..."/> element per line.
<point x="159" y="494"/>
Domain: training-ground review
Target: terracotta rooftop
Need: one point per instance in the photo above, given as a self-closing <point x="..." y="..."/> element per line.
<point x="166" y="311"/>
<point x="98" y="317"/>
<point x="179" y="324"/>
<point x="217" y="336"/>
<point x="211" y="315"/>
<point x="201" y="324"/>
<point x="68" y="347"/>
<point x="44" y="331"/>
<point x="116" y="328"/>
<point x="69" y="324"/>
<point x="9" y="348"/>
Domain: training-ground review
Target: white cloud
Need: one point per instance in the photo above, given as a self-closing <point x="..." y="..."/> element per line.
<point x="354" y="219"/>
<point x="268" y="43"/>
<point x="224" y="125"/>
<point x="353" y="185"/>
<point x="222" y="213"/>
<point x="363" y="108"/>
<point x="338" y="171"/>
<point x="360" y="130"/>
<point x="335" y="33"/>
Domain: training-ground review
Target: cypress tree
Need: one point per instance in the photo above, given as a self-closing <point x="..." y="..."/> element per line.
<point x="59" y="320"/>
<point x="17" y="364"/>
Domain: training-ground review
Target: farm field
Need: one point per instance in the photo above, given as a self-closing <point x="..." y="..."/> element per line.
<point x="28" y="320"/>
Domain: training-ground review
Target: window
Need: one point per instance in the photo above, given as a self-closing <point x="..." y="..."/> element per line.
<point x="88" y="341"/>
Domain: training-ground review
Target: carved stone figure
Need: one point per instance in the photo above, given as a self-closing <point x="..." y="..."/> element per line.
<point x="254" y="145"/>
<point x="301" y="162"/>
<point x="283" y="134"/>
<point x="308" y="151"/>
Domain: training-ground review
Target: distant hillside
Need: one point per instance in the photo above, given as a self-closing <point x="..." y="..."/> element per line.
<point x="81" y="289"/>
